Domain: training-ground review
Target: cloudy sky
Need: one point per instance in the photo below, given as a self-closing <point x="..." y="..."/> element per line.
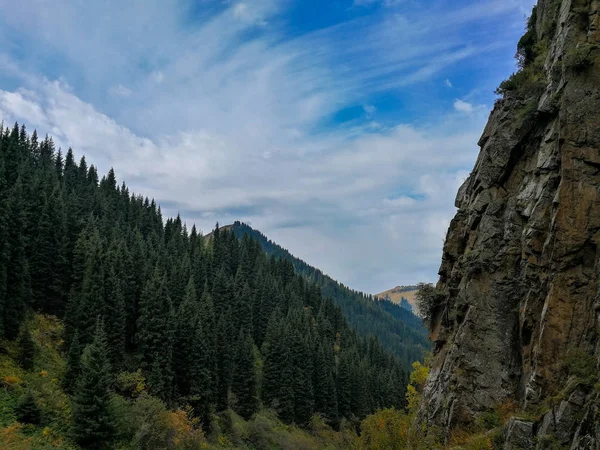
<point x="340" y="128"/>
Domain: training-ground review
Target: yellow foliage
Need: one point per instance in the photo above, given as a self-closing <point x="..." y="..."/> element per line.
<point x="412" y="397"/>
<point x="44" y="373"/>
<point x="131" y="384"/>
<point x="11" y="380"/>
<point x="419" y="375"/>
<point x="186" y="429"/>
<point x="390" y="429"/>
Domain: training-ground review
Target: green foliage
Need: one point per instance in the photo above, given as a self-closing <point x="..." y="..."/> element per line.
<point x="429" y="300"/>
<point x="399" y="331"/>
<point x="147" y="424"/>
<point x="173" y="305"/>
<point x="529" y="82"/>
<point x="26" y="350"/>
<point x="244" y="382"/>
<point x="27" y="410"/>
<point x="581" y="57"/>
<point x="92" y="421"/>
<point x="489" y="420"/>
<point x="581" y="365"/>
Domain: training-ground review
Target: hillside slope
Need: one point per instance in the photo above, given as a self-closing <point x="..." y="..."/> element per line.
<point x="397" y="294"/>
<point x="398" y="329"/>
<point x="518" y="327"/>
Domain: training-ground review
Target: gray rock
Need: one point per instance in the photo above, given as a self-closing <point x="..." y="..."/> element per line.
<point x="518" y="434"/>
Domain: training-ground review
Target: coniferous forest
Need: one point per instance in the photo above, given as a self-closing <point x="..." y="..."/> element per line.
<point x="398" y="330"/>
<point x="148" y="309"/>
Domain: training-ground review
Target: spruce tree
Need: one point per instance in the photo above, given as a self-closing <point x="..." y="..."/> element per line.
<point x="224" y="358"/>
<point x="92" y="422"/>
<point x="244" y="380"/>
<point x="73" y="368"/>
<point x="18" y="287"/>
<point x="155" y="335"/>
<point x="28" y="410"/>
<point x="92" y="295"/>
<point x="187" y="324"/>
<point x="26" y="350"/>
<point x="325" y="393"/>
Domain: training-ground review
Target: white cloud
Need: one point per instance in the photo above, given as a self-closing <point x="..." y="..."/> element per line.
<point x="120" y="90"/>
<point x="462" y="106"/>
<point x="157" y="76"/>
<point x="448" y="83"/>
<point x="369" y="110"/>
<point x="230" y="133"/>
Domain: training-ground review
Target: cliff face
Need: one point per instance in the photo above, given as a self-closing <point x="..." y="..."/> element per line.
<point x="521" y="267"/>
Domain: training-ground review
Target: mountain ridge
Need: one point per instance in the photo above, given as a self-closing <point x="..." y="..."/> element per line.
<point x="399" y="330"/>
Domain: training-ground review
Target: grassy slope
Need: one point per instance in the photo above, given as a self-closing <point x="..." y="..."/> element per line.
<point x="396" y="294"/>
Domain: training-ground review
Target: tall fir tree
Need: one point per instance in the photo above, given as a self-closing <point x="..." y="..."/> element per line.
<point x="92" y="421"/>
<point x="244" y="380"/>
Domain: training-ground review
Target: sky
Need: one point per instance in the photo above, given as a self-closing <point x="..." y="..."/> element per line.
<point x="341" y="129"/>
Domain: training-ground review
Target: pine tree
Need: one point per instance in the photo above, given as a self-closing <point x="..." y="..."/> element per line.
<point x="325" y="394"/>
<point x="155" y="335"/>
<point x="73" y="369"/>
<point x="278" y="378"/>
<point x="115" y="317"/>
<point x="28" y="410"/>
<point x="92" y="296"/>
<point x="225" y="352"/>
<point x="18" y="287"/>
<point x="302" y="370"/>
<point x="244" y="380"/>
<point x="26" y="350"/>
<point x="187" y="324"/>
<point x="92" y="421"/>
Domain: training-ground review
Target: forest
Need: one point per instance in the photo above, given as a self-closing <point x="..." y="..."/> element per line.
<point x="399" y="331"/>
<point x="131" y="312"/>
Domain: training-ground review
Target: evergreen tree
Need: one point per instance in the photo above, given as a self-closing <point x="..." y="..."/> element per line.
<point x="244" y="382"/>
<point x="225" y="354"/>
<point x="73" y="369"/>
<point x="92" y="421"/>
<point x="186" y="333"/>
<point x="154" y="334"/>
<point x="18" y="287"/>
<point x="28" y="410"/>
<point x="325" y="394"/>
<point x="26" y="350"/>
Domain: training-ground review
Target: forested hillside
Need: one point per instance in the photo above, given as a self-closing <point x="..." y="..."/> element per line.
<point x="148" y="311"/>
<point x="400" y="331"/>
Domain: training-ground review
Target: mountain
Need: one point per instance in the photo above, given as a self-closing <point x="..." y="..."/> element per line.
<point x="516" y="320"/>
<point x="119" y="329"/>
<point x="404" y="296"/>
<point x="399" y="331"/>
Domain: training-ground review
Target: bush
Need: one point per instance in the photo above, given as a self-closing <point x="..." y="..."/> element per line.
<point x="581" y="57"/>
<point x="581" y="365"/>
<point x="429" y="299"/>
<point x="489" y="420"/>
<point x="26" y="350"/>
<point x="27" y="410"/>
<point x="149" y="425"/>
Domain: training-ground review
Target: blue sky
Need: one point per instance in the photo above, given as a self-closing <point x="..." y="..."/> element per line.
<point x="341" y="129"/>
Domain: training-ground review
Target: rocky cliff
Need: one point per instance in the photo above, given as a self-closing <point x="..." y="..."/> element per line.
<point x="519" y="324"/>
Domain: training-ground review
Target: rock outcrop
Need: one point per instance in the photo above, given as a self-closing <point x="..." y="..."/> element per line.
<point x="521" y="264"/>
